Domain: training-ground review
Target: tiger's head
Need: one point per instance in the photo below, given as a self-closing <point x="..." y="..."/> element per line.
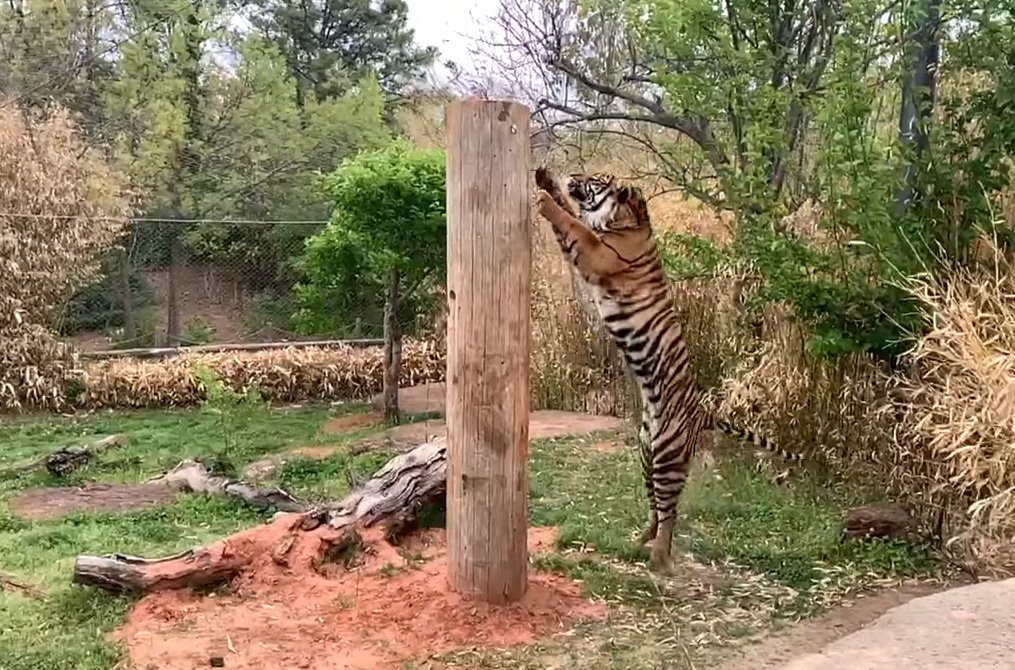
<point x="606" y="204"/>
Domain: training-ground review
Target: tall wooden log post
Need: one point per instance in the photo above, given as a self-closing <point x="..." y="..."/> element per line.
<point x="489" y="278"/>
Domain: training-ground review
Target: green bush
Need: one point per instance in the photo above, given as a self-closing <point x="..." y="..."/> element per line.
<point x="196" y="331"/>
<point x="389" y="218"/>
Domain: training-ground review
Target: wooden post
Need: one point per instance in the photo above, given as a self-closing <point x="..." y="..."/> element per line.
<point x="489" y="277"/>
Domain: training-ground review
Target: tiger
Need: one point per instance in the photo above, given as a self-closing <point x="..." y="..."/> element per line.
<point x="611" y="245"/>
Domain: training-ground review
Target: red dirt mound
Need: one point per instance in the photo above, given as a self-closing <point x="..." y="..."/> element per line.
<point x="392" y="605"/>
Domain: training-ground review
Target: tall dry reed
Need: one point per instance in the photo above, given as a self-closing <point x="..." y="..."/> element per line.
<point x="953" y="447"/>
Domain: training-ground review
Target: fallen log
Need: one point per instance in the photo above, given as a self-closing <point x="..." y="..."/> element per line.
<point x="65" y="459"/>
<point x="394" y="496"/>
<point x="884" y="521"/>
<point x="8" y="583"/>
<point x="194" y="477"/>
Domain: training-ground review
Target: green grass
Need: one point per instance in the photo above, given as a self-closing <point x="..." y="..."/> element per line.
<point x="788" y="533"/>
<point x="64" y="631"/>
<point x="737" y="520"/>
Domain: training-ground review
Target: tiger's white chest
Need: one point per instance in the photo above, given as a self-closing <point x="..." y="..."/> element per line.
<point x="597" y="219"/>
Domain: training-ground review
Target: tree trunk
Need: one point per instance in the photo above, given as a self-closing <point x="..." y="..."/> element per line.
<point x="126" y="302"/>
<point x="488" y="345"/>
<point x="394" y="496"/>
<point x="172" y="299"/>
<point x="189" y="160"/>
<point x="392" y="349"/>
<point x="918" y="91"/>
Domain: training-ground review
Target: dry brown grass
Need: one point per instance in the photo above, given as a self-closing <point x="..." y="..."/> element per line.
<point x="280" y="375"/>
<point x="818" y="408"/>
<point x="61" y="206"/>
<point x="937" y="435"/>
<point x="953" y="448"/>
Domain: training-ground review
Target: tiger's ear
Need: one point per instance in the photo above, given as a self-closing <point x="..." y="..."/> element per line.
<point x="636" y="202"/>
<point x="624" y="194"/>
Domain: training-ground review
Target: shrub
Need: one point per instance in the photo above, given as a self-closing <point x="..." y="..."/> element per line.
<point x="389" y="217"/>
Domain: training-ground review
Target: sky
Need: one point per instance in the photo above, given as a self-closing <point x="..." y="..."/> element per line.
<point x="443" y="23"/>
<point x="450" y="25"/>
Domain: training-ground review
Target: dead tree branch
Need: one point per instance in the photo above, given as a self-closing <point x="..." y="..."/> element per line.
<point x="394" y="496"/>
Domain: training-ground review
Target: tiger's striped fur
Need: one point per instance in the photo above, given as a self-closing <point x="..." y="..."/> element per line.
<point x="611" y="245"/>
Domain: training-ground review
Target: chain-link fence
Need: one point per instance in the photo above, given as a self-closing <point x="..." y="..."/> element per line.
<point x="172" y="283"/>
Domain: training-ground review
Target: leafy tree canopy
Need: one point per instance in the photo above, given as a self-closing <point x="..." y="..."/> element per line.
<point x="389" y="216"/>
<point x="329" y="44"/>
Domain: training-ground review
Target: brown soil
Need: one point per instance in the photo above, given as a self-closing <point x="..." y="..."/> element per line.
<point x="57" y="501"/>
<point x="812" y="635"/>
<point x="418" y="399"/>
<point x="375" y="616"/>
<point x="315" y="453"/>
<point x="546" y="424"/>
<point x="343" y="424"/>
<point x="543" y="424"/>
<point x="607" y="447"/>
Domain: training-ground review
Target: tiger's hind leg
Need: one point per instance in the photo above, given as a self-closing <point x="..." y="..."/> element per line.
<point x="669" y="474"/>
<point x="645" y="450"/>
<point x="661" y="556"/>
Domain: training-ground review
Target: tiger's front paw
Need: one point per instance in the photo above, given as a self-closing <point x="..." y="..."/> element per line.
<point x="544" y="202"/>
<point x="544" y="179"/>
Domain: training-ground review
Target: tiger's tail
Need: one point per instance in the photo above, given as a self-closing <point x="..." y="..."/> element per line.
<point x="754" y="437"/>
<point x="742" y="433"/>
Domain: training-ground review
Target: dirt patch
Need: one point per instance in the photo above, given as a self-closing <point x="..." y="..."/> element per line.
<point x="543" y="424"/>
<point x="376" y="616"/>
<point x="345" y="424"/>
<point x="402" y="438"/>
<point x="317" y="453"/>
<point x="607" y="447"/>
<point x="58" y="501"/>
<point x="417" y="399"/>
<point x="814" y="634"/>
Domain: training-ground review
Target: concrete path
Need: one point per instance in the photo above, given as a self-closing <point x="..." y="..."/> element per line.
<point x="965" y="628"/>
